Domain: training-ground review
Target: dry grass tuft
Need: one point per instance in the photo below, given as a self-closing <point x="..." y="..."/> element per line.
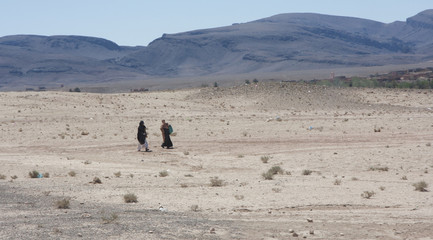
<point x="2" y="177"/>
<point x="307" y="172"/>
<point x="34" y="174"/>
<point x="72" y="173"/>
<point x="337" y="182"/>
<point x="265" y="159"/>
<point x="269" y="175"/>
<point x="378" y="168"/>
<point x="195" y="208"/>
<point x="163" y="173"/>
<point x="63" y="203"/>
<point x="130" y="198"/>
<point x="96" y="180"/>
<point x="367" y="194"/>
<point x="109" y="219"/>
<point x="46" y="175"/>
<point x="421" y="186"/>
<point x="117" y="174"/>
<point x="216" y="182"/>
<point x="239" y="197"/>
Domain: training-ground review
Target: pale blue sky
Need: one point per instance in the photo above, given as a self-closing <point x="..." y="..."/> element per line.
<point x="138" y="22"/>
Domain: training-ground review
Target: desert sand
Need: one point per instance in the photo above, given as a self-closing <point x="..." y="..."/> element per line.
<point x="332" y="145"/>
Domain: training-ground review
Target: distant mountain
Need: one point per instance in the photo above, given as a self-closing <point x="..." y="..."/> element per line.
<point x="285" y="42"/>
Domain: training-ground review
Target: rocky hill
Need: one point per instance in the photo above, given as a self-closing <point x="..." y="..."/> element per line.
<point x="285" y="42"/>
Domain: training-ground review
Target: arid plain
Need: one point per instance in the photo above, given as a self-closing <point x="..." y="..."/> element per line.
<point x="336" y="147"/>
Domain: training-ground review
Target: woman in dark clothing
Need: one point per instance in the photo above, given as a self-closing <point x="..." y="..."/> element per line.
<point x="166" y="135"/>
<point x="141" y="137"/>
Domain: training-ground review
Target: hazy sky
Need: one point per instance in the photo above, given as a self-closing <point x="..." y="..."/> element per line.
<point x="138" y="22"/>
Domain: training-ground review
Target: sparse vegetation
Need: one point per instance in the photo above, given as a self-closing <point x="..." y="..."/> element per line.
<point x="276" y="170"/>
<point x="34" y="174"/>
<point x="382" y="188"/>
<point x="269" y="175"/>
<point x="367" y="194"/>
<point x="72" y="173"/>
<point x="163" y="173"/>
<point x="194" y="208"/>
<point x="378" y="168"/>
<point x="109" y="219"/>
<point x="63" y="203"/>
<point x="239" y="197"/>
<point x="117" y="174"/>
<point x="46" y="175"/>
<point x="265" y="159"/>
<point x="96" y="180"/>
<point x="337" y="182"/>
<point x="421" y="186"/>
<point x="2" y="177"/>
<point x="216" y="182"/>
<point x="307" y="172"/>
<point x="130" y="198"/>
<point x="14" y="177"/>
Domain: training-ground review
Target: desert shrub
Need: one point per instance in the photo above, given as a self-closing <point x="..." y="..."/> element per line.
<point x="163" y="173"/>
<point x="194" y="208"/>
<point x="306" y="172"/>
<point x="420" y="186"/>
<point x="337" y="182"/>
<point x="109" y="219"/>
<point x="46" y="175"/>
<point x="355" y="179"/>
<point x="404" y="178"/>
<point x="96" y="180"/>
<point x="34" y="174"/>
<point x="14" y="177"/>
<point x="378" y="168"/>
<point x="367" y="194"/>
<point x="239" y="197"/>
<point x="117" y="174"/>
<point x="72" y="173"/>
<point x="183" y="185"/>
<point x="62" y="204"/>
<point x="268" y="175"/>
<point x="130" y="198"/>
<point x="216" y="182"/>
<point x="265" y="159"/>
<point x="382" y="188"/>
<point x="2" y="177"/>
<point x="276" y="170"/>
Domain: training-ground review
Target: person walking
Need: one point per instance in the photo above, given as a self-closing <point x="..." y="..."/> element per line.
<point x="142" y="137"/>
<point x="165" y="130"/>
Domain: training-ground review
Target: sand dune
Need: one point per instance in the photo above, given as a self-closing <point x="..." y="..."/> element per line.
<point x="351" y="140"/>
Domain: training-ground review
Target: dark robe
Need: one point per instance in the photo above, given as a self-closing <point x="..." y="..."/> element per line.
<point x="167" y="141"/>
<point x="141" y="134"/>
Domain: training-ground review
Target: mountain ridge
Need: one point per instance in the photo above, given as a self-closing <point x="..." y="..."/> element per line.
<point x="283" y="42"/>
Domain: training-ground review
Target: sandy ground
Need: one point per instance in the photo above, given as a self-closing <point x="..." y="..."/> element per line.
<point x="219" y="133"/>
